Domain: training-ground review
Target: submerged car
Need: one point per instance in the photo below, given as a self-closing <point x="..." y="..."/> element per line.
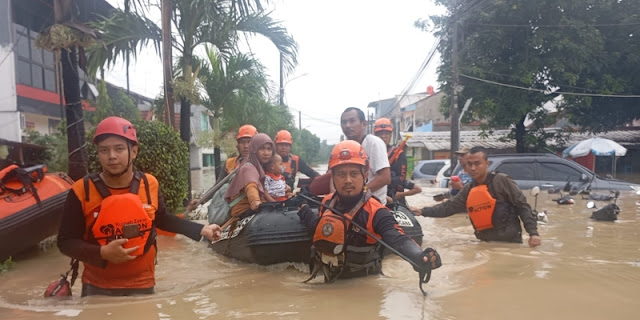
<point x="547" y="170"/>
<point x="432" y="170"/>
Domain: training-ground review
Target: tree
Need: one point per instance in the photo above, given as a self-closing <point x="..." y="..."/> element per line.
<point x="104" y="107"/>
<point x="546" y="46"/>
<point x="218" y="23"/>
<point x="120" y="105"/>
<point x="306" y="145"/>
<point x="222" y="81"/>
<point x="125" y="107"/>
<point x="68" y="37"/>
<point x="613" y="70"/>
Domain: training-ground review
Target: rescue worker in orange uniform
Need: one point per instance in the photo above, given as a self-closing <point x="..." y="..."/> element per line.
<point x="245" y="133"/>
<point x="383" y="130"/>
<point x="343" y="248"/>
<point x="493" y="201"/>
<point x="291" y="164"/>
<point x="110" y="218"/>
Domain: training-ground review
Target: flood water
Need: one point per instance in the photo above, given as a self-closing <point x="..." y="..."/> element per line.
<point x="583" y="270"/>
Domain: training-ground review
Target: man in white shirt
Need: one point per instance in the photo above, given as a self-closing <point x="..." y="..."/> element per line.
<point x="354" y="127"/>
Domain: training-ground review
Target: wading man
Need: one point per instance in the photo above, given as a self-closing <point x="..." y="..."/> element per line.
<point x="493" y="201"/>
<point x="354" y="127"/>
<point x="341" y="248"/>
<point x="110" y="219"/>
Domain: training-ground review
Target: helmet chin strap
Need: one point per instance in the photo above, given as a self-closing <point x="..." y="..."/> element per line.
<point x="129" y="163"/>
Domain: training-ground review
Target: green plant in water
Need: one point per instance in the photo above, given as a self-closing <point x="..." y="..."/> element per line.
<point x="6" y="265"/>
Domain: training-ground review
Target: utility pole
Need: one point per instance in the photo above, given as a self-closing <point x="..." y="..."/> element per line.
<point x="453" y="112"/>
<point x="300" y="120"/>
<point x="281" y="82"/>
<point x="169" y="112"/>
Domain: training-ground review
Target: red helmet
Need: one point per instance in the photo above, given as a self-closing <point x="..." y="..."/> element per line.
<point x="246" y="131"/>
<point x="284" y="136"/>
<point x="116" y="126"/>
<point x="348" y="152"/>
<point x="383" y="124"/>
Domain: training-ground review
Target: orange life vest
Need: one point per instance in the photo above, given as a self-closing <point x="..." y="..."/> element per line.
<point x="291" y="167"/>
<point x="332" y="229"/>
<point x="231" y="164"/>
<point x="481" y="207"/>
<point x="106" y="213"/>
<point x="332" y="250"/>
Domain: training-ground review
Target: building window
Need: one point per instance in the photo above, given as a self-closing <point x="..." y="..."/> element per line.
<point x="207" y="160"/>
<point x="204" y="125"/>
<point x="35" y="67"/>
<point x="53" y="125"/>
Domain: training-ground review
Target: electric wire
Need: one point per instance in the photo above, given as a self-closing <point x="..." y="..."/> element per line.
<point x="547" y="91"/>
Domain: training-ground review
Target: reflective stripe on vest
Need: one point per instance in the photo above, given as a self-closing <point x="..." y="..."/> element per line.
<point x="481" y="206"/>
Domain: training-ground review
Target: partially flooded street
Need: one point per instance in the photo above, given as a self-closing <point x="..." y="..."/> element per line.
<point x="583" y="270"/>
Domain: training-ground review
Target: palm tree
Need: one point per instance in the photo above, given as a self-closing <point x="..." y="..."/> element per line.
<point x="241" y="75"/>
<point x="218" y="23"/>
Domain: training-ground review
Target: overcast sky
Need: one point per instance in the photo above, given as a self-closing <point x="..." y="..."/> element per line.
<point x="350" y="53"/>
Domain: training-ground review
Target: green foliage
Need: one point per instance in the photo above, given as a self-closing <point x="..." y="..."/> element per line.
<point x="6" y="265"/>
<point x="305" y="144"/>
<point x="161" y="154"/>
<point x="120" y="105"/>
<point x="125" y="107"/>
<point x="574" y="46"/>
<point x="55" y="154"/>
<point x="265" y="116"/>
<point x="104" y="106"/>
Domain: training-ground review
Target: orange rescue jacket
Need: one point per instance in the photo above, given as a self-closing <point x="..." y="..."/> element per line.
<point x="107" y="211"/>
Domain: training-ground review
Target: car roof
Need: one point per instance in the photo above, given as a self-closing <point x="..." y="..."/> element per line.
<point x="522" y="155"/>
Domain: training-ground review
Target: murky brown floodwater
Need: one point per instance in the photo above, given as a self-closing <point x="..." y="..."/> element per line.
<point x="583" y="270"/>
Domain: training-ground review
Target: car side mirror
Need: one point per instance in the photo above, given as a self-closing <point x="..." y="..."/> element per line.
<point x="535" y="191"/>
<point x="584" y="178"/>
<point x="591" y="205"/>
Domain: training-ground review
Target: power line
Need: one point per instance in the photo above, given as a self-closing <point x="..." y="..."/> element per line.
<point x="519" y="77"/>
<point x="555" y="25"/>
<point x="417" y="76"/>
<point x="314" y="118"/>
<point x="546" y="91"/>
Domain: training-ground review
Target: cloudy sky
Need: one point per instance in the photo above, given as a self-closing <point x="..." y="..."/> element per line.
<point x="350" y="53"/>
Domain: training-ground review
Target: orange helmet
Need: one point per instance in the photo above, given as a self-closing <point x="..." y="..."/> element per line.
<point x="246" y="131"/>
<point x="284" y="136"/>
<point x="383" y="124"/>
<point x="348" y="152"/>
<point x="116" y="126"/>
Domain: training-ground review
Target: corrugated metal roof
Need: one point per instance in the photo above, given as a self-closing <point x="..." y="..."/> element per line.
<point x="441" y="140"/>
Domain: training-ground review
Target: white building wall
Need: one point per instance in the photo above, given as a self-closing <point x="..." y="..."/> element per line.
<point x="9" y="115"/>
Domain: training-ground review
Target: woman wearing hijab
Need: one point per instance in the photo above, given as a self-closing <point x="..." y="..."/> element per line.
<point x="249" y="181"/>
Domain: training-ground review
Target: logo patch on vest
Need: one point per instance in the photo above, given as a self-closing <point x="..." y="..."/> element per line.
<point x="327" y="229"/>
<point x="480" y="207"/>
<point x="110" y="229"/>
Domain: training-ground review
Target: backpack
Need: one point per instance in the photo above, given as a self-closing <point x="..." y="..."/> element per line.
<point x="219" y="210"/>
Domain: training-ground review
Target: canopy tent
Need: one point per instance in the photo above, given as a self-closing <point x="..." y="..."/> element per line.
<point x="597" y="146"/>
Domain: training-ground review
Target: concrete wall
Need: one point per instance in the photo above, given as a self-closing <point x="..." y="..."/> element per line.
<point x="9" y="115"/>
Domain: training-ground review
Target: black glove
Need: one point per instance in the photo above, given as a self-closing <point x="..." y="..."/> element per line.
<point x="426" y="266"/>
<point x="298" y="201"/>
